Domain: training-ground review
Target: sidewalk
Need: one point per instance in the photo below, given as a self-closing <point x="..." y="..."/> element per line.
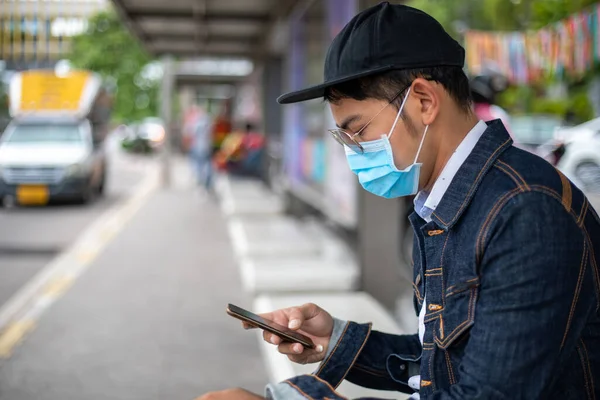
<point x="147" y="319"/>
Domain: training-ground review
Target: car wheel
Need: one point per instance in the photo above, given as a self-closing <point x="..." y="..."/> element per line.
<point x="7" y="202"/>
<point x="87" y="196"/>
<point x="588" y="174"/>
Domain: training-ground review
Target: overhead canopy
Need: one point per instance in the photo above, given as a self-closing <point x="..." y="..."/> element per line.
<point x="191" y="28"/>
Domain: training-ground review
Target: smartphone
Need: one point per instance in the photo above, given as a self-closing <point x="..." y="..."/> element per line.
<point x="284" y="333"/>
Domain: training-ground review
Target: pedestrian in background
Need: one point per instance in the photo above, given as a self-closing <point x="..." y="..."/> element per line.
<point x="199" y="141"/>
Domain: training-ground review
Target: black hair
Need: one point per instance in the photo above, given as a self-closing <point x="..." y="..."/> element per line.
<point x="387" y="85"/>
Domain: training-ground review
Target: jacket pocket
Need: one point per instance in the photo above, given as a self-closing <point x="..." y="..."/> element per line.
<point x="458" y="314"/>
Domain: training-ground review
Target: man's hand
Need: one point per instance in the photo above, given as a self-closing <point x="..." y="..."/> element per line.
<point x="309" y="320"/>
<point x="231" y="394"/>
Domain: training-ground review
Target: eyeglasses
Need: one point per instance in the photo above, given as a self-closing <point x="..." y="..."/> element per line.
<point x="350" y="139"/>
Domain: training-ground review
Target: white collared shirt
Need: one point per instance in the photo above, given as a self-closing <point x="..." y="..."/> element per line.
<point x="426" y="203"/>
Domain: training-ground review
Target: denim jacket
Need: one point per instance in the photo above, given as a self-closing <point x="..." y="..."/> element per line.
<point x="510" y="267"/>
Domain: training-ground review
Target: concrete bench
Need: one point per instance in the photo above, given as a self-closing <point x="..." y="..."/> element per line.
<point x="281" y="254"/>
<point x="304" y="274"/>
<point x="247" y="197"/>
<point x="276" y="236"/>
<point x="357" y="306"/>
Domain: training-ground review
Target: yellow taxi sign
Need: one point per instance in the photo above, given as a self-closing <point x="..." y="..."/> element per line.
<point x="45" y="91"/>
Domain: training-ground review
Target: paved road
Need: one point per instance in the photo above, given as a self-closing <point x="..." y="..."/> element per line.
<point x="146" y="319"/>
<point x="32" y="236"/>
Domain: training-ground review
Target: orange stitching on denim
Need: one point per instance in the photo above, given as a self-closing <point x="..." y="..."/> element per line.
<point x="516" y="173"/>
<point x="434" y="269"/>
<point x="462" y="339"/>
<point x="430" y="370"/>
<point x="577" y="291"/>
<point x="432" y="316"/>
<point x="434" y="274"/>
<point x="425" y="383"/>
<point x="470" y="280"/>
<point x="330" y="387"/>
<point x="584" y="209"/>
<point x="585" y="378"/>
<point x="511" y="176"/>
<point x="334" y="349"/>
<point x="594" y="267"/>
<point x="567" y="195"/>
<point x="417" y="293"/>
<point x="441" y="327"/>
<point x="356" y="357"/>
<point x="370" y="371"/>
<point x="438" y="217"/>
<point x="537" y="188"/>
<point x="589" y="369"/>
<point x="300" y="390"/>
<point x="442" y="268"/>
<point x="460" y="291"/>
<point x="484" y="228"/>
<point x="459" y="329"/>
<point x="552" y="193"/>
<point x="475" y="181"/>
<point x="434" y="307"/>
<point x="450" y="370"/>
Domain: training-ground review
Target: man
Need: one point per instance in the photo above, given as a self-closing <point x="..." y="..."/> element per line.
<point x="199" y="132"/>
<point x="506" y="251"/>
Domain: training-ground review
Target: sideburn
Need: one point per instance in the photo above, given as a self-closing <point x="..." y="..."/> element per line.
<point x="410" y="126"/>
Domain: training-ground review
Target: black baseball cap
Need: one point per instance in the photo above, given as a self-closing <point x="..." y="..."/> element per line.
<point x="383" y="38"/>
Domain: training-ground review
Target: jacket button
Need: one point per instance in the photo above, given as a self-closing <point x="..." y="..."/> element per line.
<point x="435" y="232"/>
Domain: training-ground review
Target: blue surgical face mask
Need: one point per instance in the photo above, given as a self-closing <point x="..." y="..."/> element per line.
<point x="376" y="170"/>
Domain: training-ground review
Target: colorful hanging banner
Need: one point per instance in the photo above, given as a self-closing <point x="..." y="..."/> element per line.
<point x="570" y="47"/>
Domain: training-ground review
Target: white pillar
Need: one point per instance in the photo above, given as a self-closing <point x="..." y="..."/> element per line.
<point x="166" y="96"/>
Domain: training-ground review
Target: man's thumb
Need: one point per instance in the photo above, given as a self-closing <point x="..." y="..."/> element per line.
<point x="298" y="315"/>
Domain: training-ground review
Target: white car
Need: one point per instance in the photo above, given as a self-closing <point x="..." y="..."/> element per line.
<point x="47" y="160"/>
<point x="581" y="160"/>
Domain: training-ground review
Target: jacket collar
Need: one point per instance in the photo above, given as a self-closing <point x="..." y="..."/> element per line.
<point x="494" y="142"/>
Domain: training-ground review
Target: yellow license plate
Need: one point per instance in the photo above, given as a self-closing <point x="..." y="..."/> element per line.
<point x="33" y="194"/>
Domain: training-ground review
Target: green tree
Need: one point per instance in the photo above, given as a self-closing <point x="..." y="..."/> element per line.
<point x="500" y="15"/>
<point x="109" y="49"/>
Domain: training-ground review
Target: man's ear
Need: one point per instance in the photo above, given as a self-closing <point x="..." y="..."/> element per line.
<point x="427" y="94"/>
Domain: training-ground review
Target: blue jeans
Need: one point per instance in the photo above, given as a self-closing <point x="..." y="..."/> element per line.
<point x="204" y="170"/>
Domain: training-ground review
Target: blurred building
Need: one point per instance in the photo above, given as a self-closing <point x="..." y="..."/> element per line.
<point x="36" y="33"/>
